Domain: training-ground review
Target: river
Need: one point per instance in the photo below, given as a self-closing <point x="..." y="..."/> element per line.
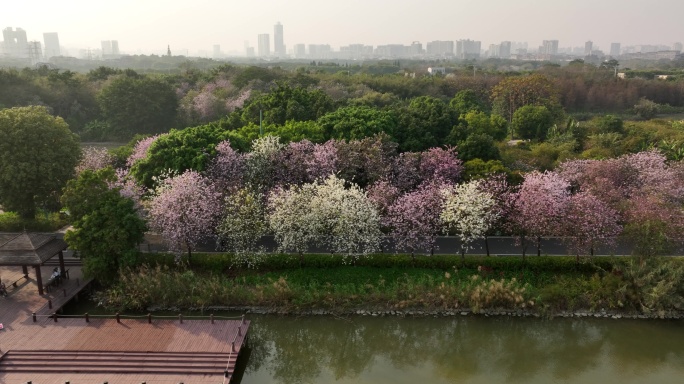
<point x="464" y="349"/>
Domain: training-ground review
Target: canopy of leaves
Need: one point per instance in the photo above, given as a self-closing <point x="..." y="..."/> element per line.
<point x="178" y="151"/>
<point x="355" y="123"/>
<point x="137" y="105"/>
<point x="38" y="154"/>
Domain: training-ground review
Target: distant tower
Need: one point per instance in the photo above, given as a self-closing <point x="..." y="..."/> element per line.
<point x="278" y="44"/>
<point x="615" y="49"/>
<point x="51" y="41"/>
<point x="677" y="47"/>
<point x="115" y="47"/>
<point x="35" y="52"/>
<point x="588" y="47"/>
<point x="264" y="46"/>
<point x="168" y="50"/>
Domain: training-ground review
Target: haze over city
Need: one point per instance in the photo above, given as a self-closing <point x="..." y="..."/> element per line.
<point x="192" y="27"/>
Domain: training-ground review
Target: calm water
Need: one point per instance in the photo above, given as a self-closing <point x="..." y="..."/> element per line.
<point x="463" y="350"/>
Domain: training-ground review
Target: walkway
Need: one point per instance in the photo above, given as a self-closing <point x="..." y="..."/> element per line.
<point x="128" y="352"/>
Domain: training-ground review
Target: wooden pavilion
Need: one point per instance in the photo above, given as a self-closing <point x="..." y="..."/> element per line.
<point x="31" y="250"/>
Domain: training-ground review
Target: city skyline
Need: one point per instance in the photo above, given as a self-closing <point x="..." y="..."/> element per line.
<point x="148" y="27"/>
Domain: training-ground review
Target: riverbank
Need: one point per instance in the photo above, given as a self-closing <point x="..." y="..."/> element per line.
<point x="403" y="285"/>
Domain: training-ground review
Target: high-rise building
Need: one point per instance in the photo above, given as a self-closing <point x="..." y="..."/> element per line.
<point x="299" y="51"/>
<point x="51" y="41"/>
<point x="549" y="47"/>
<point x="15" y="42"/>
<point x="106" y="47"/>
<point x="677" y="47"/>
<point x="115" y="47"/>
<point x="264" y="45"/>
<point x="278" y="44"/>
<point x="468" y="49"/>
<point x="615" y="49"/>
<point x="505" y="50"/>
<point x="217" y="51"/>
<point x="588" y="47"/>
<point x="440" y="48"/>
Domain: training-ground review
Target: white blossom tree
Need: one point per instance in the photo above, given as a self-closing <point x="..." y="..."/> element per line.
<point x="242" y="226"/>
<point x="468" y="212"/>
<point x="327" y="214"/>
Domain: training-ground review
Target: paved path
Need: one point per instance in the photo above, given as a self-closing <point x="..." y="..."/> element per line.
<point x="29" y="350"/>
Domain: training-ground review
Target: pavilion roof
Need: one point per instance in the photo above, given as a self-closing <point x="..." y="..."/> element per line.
<point x="29" y="248"/>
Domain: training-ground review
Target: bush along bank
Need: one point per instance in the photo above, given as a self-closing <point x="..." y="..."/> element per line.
<point x="396" y="284"/>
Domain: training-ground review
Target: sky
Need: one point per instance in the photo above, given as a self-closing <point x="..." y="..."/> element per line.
<point x="148" y="26"/>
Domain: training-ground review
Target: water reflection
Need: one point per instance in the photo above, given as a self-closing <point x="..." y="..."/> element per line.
<point x="462" y="349"/>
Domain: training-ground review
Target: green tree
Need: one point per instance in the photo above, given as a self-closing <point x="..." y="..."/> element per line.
<point x="180" y="150"/>
<point x="425" y="123"/>
<point x="287" y="103"/>
<point x="138" y="105"/>
<point x="646" y="109"/>
<point x="478" y="146"/>
<point x="515" y="92"/>
<point x="466" y="101"/>
<point x="609" y="124"/>
<point x="532" y="122"/>
<point x="106" y="226"/>
<point x="38" y="154"/>
<point x="355" y="123"/>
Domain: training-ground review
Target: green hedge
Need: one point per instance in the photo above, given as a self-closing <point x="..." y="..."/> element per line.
<point x="12" y="222"/>
<point x="220" y="263"/>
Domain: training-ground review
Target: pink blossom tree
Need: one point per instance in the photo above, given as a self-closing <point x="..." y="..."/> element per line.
<point x="185" y="210"/>
<point x="93" y="158"/>
<point x="292" y="163"/>
<point x="441" y="163"/>
<point x="323" y="161"/>
<point x="537" y="208"/>
<point x="414" y="220"/>
<point x="140" y="149"/>
<point x="588" y="223"/>
<point x="227" y="169"/>
<point x="405" y="174"/>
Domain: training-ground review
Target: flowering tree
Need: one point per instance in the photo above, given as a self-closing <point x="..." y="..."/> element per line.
<point x="242" y="225"/>
<point x="326" y="214"/>
<point x="290" y="218"/>
<point x="365" y="161"/>
<point x="228" y="167"/>
<point x="323" y="161"/>
<point x="468" y="211"/>
<point x="140" y="149"/>
<point x="261" y="163"/>
<point x="589" y="222"/>
<point x="414" y="218"/>
<point x="93" y="158"/>
<point x="243" y="221"/>
<point x="497" y="185"/>
<point x="537" y="208"/>
<point x="405" y="173"/>
<point x="292" y="163"/>
<point x="350" y="221"/>
<point x="185" y="210"/>
<point x="653" y="224"/>
<point x="441" y="163"/>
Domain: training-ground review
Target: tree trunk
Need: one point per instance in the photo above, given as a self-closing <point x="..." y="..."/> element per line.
<point x="463" y="256"/>
<point x="487" y="244"/>
<point x="538" y="245"/>
<point x="524" y="246"/>
<point x="189" y="255"/>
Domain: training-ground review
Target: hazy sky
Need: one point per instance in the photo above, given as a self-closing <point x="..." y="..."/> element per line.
<point x="147" y="26"/>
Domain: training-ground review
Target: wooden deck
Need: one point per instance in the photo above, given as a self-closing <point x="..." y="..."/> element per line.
<point x="130" y="351"/>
